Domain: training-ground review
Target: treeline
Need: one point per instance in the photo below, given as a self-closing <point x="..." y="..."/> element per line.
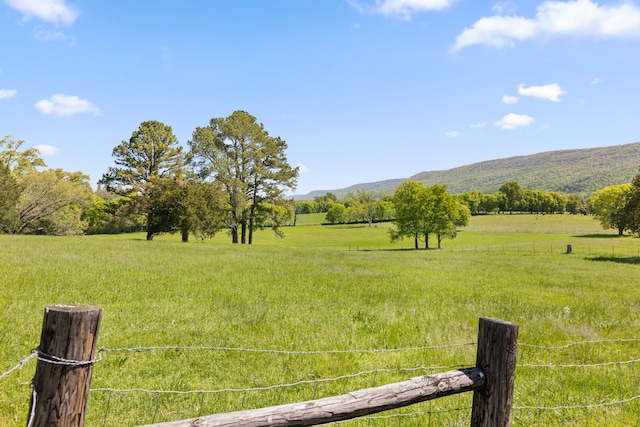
<point x="368" y="207"/>
<point x="233" y="178"/>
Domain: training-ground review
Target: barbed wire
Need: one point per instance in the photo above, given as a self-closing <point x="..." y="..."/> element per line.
<point x="51" y="359"/>
<point x="20" y="364"/>
<point x="276" y="351"/>
<point x="276" y="386"/>
<point x="571" y="344"/>
<point x="576" y="365"/>
<point x="589" y="406"/>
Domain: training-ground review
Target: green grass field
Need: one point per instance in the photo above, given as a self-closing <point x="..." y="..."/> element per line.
<point x="327" y="288"/>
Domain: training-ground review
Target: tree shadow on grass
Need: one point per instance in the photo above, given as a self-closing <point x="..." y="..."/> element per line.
<point x="600" y="236"/>
<point x="622" y="260"/>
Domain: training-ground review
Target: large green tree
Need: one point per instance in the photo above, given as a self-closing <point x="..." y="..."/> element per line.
<point x="512" y="194"/>
<point x="631" y="210"/>
<point x="251" y="165"/>
<point x="608" y="206"/>
<point x="188" y="207"/>
<point x="150" y="154"/>
<point x="52" y="202"/>
<point x="32" y="201"/>
<point x="410" y="202"/>
<point x="421" y="211"/>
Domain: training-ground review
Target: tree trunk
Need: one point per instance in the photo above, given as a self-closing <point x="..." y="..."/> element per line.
<point x="185" y="235"/>
<point x="620" y="231"/>
<point x="415" y="240"/>
<point x="426" y="241"/>
<point x="149" y="231"/>
<point x="234" y="234"/>
<point x="243" y="232"/>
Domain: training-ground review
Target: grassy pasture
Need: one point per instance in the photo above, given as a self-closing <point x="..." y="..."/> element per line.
<point x="335" y="288"/>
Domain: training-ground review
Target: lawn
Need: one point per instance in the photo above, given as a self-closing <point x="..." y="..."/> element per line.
<point x="327" y="288"/>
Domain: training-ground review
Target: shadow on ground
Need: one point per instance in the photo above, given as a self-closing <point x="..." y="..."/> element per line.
<point x="600" y="236"/>
<point x="621" y="260"/>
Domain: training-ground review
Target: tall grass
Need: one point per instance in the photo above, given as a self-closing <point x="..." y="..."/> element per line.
<point x="320" y="288"/>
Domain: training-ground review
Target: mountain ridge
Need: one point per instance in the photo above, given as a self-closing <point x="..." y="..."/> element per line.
<point x="572" y="171"/>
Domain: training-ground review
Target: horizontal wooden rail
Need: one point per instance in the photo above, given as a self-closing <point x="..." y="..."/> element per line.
<point x="347" y="406"/>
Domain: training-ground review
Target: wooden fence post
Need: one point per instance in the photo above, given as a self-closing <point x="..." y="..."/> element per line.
<point x="496" y="357"/>
<point x="65" y="364"/>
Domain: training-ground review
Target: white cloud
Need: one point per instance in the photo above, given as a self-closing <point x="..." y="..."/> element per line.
<point x="7" y="93"/>
<point x="402" y="8"/>
<point x="65" y="105"/>
<point x="451" y="134"/>
<point x="597" y="81"/>
<point x="554" y="19"/>
<point x="303" y="168"/>
<point x="52" y="11"/>
<point x="549" y="92"/>
<point x="48" y="36"/>
<point x="479" y="125"/>
<point x="505" y="7"/>
<point x="47" y="150"/>
<point x="512" y="121"/>
<point x="510" y="99"/>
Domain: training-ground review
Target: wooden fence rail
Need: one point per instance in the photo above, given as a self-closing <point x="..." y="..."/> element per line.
<point x="491" y="380"/>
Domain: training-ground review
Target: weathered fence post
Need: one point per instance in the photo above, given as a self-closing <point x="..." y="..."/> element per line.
<point x="65" y="364"/>
<point x="496" y="357"/>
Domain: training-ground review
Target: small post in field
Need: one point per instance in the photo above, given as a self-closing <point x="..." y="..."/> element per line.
<point x="65" y="364"/>
<point x="496" y="357"/>
<point x="569" y="249"/>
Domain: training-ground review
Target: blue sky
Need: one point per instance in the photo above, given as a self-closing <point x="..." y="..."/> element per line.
<point x="361" y="90"/>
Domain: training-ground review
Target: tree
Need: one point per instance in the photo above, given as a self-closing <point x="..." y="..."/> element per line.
<point x="51" y="202"/>
<point x="151" y="153"/>
<point x="608" y="206"/>
<point x="9" y="192"/>
<point x="251" y="166"/>
<point x="446" y="214"/>
<point x="186" y="206"/>
<point x="513" y="195"/>
<point x="363" y="205"/>
<point x="410" y="204"/>
<point x="631" y="210"/>
<point x="576" y="205"/>
<point x="421" y="211"/>
<point x="20" y="163"/>
<point x="337" y="214"/>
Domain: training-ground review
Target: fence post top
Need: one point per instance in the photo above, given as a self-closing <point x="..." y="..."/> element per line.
<point x="498" y="321"/>
<point x="68" y="308"/>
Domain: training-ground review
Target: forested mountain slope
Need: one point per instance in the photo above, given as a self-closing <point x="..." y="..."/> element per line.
<point x="579" y="171"/>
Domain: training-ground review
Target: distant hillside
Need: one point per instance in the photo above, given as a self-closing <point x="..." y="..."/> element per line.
<point x="567" y="171"/>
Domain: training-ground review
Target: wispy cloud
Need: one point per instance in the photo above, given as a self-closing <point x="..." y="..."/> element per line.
<point x="302" y="168"/>
<point x="513" y="121"/>
<point x="597" y="81"/>
<point x="403" y="9"/>
<point x="65" y="105"/>
<point x="52" y="11"/>
<point x="554" y="19"/>
<point x="48" y="36"/>
<point x="451" y="134"/>
<point x="479" y="125"/>
<point x="47" y="150"/>
<point x="510" y="99"/>
<point x="7" y="93"/>
<point x="550" y="92"/>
